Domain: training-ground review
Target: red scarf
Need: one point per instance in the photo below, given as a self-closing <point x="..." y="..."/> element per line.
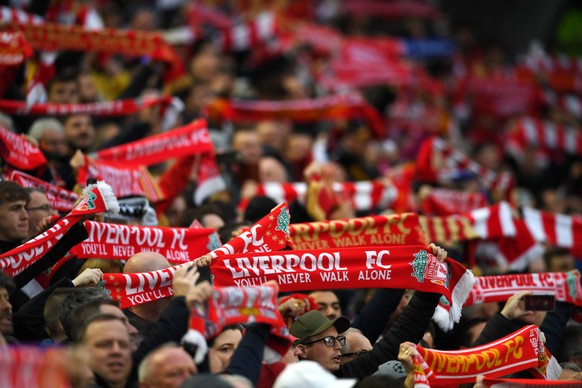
<point x="19" y="152"/>
<point x="268" y="234"/>
<point x="236" y="305"/>
<point x="14" y="51"/>
<point x="99" y="198"/>
<point x="544" y="135"/>
<point x="52" y="36"/>
<point x="394" y="229"/>
<point x="60" y="199"/>
<point x="527" y="383"/>
<point x="565" y="286"/>
<point x="561" y="230"/>
<point x="120" y="242"/>
<point x="30" y="366"/>
<point x="126" y="181"/>
<point x="325" y="108"/>
<point x="97" y="109"/>
<point x="387" y="267"/>
<point x="187" y="140"/>
<point x="518" y="351"/>
<point x="231" y="305"/>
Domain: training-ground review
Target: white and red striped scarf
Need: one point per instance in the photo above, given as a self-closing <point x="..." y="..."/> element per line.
<point x="34" y="366"/>
<point x="365" y="195"/>
<point x="452" y="161"/>
<point x="190" y="139"/>
<point x="561" y="230"/>
<point x="59" y="198"/>
<point x="569" y="102"/>
<point x="544" y="135"/>
<point x="98" y="198"/>
<point x="487" y="223"/>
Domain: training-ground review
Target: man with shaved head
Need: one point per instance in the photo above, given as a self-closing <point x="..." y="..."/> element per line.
<point x="144" y="316"/>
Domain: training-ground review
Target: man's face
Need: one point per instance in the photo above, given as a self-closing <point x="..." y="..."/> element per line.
<point x="329" y="357"/>
<point x="328" y="303"/>
<point x="170" y="367"/>
<point x="54" y="142"/>
<point x="64" y="92"/>
<point x="79" y="132"/>
<point x="249" y="146"/>
<point x="13" y="221"/>
<point x="38" y="209"/>
<point x="114" y="310"/>
<point x="357" y="344"/>
<point x="5" y="313"/>
<point x="108" y="345"/>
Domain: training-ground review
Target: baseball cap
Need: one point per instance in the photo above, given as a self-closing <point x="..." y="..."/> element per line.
<point x="314" y="322"/>
<point x="392" y="368"/>
<point x="309" y="374"/>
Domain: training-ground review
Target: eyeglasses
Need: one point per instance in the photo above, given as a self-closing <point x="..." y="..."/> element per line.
<point x="329" y="341"/>
<point x="357" y="354"/>
<point x="47" y="208"/>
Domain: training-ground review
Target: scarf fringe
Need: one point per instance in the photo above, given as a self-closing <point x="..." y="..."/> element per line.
<point x="106" y="193"/>
<point x="446" y="318"/>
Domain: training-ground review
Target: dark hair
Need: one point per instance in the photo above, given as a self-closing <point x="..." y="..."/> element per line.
<point x="235" y="326"/>
<point x="51" y="309"/>
<point x="96" y="318"/>
<point x="85" y="313"/>
<point x="12" y="191"/>
<point x="571" y="344"/>
<point x="75" y="299"/>
<point x="7" y="282"/>
<point x="463" y="334"/>
<point x="258" y="207"/>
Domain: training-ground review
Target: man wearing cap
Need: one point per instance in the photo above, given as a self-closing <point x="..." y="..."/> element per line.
<point x="320" y="339"/>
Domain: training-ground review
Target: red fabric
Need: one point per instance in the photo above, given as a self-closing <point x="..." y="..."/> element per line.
<point x="126" y="181"/>
<point x="19" y="152"/>
<point x="135" y="289"/>
<point x="97" y="109"/>
<point x="190" y="139"/>
<point x="14" y="51"/>
<point x="396" y="229"/>
<point x="174" y="181"/>
<point x="120" y="242"/>
<point x="527" y="383"/>
<point x="337" y="268"/>
<point x="394" y="9"/>
<point x="443" y="202"/>
<point x="325" y="108"/>
<point x="31" y="366"/>
<point x="60" y="199"/>
<point x="518" y="351"/>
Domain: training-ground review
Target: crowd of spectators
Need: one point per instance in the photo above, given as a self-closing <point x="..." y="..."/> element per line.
<point x="445" y="82"/>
